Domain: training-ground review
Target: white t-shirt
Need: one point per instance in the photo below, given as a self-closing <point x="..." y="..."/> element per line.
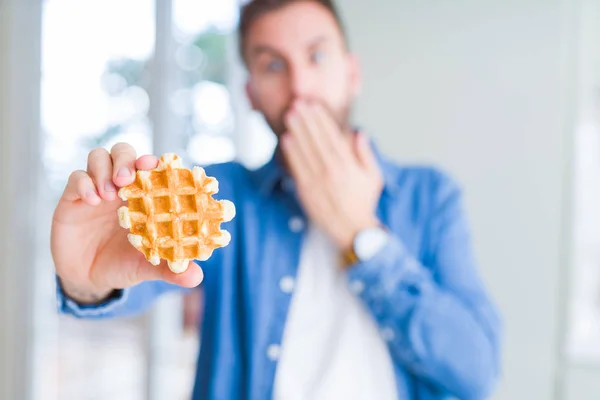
<point x="331" y="347"/>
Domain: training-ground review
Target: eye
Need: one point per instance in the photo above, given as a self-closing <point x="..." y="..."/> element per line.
<point x="318" y="56"/>
<point x="275" y="66"/>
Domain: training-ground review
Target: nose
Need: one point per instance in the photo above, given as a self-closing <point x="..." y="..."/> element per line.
<point x="301" y="81"/>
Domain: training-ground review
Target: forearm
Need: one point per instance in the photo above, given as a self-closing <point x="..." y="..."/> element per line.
<point x="449" y="338"/>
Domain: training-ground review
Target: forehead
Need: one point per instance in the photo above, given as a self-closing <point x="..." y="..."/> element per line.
<point x="293" y="26"/>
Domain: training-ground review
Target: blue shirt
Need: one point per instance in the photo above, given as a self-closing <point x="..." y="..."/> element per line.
<point x="423" y="288"/>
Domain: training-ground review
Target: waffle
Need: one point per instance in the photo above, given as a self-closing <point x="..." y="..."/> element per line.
<point x="172" y="215"/>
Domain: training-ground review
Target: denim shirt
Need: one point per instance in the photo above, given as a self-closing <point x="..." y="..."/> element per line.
<point x="423" y="288"/>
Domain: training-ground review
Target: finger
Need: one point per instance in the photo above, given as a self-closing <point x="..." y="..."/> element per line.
<point x="123" y="159"/>
<point x="364" y="152"/>
<point x="81" y="187"/>
<point x="191" y="277"/>
<point x="99" y="167"/>
<point x="333" y="138"/>
<point x="300" y="130"/>
<point x="294" y="160"/>
<point x="146" y="162"/>
<point x="318" y="131"/>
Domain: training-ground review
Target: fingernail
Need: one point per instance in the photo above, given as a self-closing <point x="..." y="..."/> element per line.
<point x="109" y="187"/>
<point x="124" y="173"/>
<point x="90" y="194"/>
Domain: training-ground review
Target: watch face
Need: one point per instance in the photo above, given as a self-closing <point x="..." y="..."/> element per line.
<point x="369" y="242"/>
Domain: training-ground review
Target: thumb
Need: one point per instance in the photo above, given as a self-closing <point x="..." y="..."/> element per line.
<point x="191" y="277"/>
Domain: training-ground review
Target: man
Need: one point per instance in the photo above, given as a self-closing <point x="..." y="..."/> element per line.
<point x="347" y="277"/>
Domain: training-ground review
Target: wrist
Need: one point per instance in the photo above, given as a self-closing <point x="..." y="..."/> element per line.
<point x="346" y="241"/>
<point x="83" y="294"/>
<point x="365" y="242"/>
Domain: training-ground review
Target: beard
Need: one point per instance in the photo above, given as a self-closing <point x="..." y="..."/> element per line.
<point x="341" y="118"/>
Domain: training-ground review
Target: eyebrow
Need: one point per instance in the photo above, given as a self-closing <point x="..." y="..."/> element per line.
<point x="317" y="41"/>
<point x="260" y="49"/>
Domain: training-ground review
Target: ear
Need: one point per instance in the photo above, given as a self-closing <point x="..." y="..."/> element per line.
<point x="354" y="74"/>
<point x="251" y="96"/>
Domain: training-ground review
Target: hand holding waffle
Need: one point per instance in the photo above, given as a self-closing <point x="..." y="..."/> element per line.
<point x="90" y="247"/>
<point x="337" y="176"/>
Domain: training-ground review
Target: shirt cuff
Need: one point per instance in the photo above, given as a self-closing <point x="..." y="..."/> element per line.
<point x="66" y="305"/>
<point x="392" y="270"/>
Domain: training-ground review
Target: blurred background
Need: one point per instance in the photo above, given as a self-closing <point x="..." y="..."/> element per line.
<point x="505" y="95"/>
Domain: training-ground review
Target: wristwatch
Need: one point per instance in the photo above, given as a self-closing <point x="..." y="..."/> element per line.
<point x="367" y="243"/>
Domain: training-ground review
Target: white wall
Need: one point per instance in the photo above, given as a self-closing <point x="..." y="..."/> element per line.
<point x="484" y="89"/>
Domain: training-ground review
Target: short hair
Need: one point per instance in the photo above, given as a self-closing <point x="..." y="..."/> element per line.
<point x="254" y="9"/>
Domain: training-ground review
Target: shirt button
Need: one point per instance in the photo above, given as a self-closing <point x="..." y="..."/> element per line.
<point x="296" y="224"/>
<point x="387" y="334"/>
<point x="273" y="352"/>
<point x="357" y="287"/>
<point x="286" y="284"/>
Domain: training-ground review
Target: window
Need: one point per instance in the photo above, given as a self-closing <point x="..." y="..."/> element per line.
<point x="162" y="76"/>
<point x="85" y="105"/>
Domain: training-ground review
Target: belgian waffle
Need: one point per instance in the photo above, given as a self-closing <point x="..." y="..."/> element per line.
<point x="172" y="215"/>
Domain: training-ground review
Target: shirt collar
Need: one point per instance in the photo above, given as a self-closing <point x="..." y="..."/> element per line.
<point x="271" y="175"/>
